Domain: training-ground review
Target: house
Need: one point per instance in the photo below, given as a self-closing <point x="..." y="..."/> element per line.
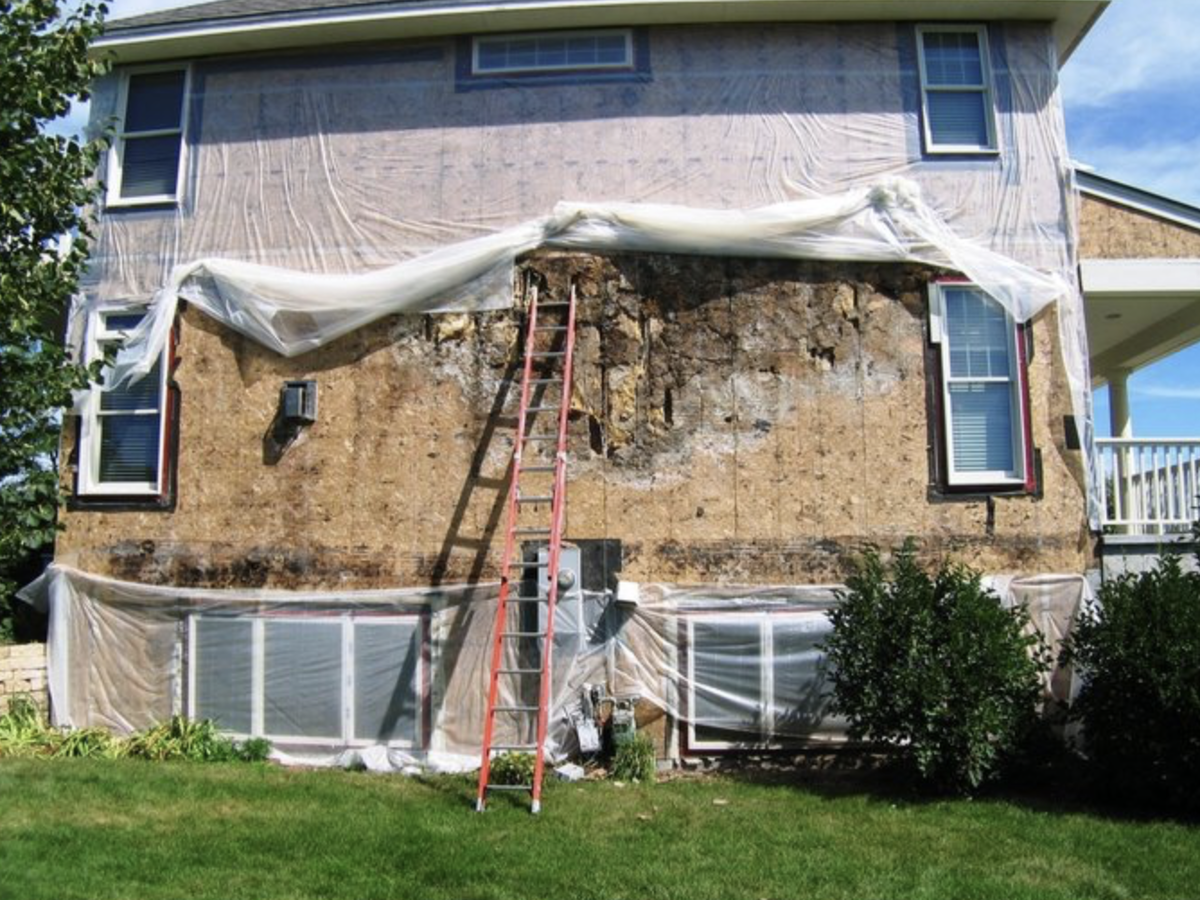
<point x="824" y="255"/>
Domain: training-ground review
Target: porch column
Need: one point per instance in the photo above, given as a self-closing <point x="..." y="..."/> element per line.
<point x="1118" y="404"/>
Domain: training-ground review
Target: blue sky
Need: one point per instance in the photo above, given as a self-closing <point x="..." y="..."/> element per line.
<point x="1132" y="98"/>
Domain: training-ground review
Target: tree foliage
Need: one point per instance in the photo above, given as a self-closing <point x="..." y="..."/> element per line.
<point x="46" y="186"/>
<point x="935" y="668"/>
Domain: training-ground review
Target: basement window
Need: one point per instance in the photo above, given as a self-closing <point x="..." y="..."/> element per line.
<point x="956" y="89"/>
<point x="557" y="51"/>
<point x="323" y="679"/>
<point x="983" y="394"/>
<point x="123" y="440"/>
<point x="754" y="680"/>
<point x="147" y="154"/>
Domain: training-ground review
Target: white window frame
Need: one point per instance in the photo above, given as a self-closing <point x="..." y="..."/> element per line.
<point x="625" y="65"/>
<point x="89" y="482"/>
<point x="767" y="705"/>
<point x="1017" y="477"/>
<point x="116" y="153"/>
<point x="347" y="621"/>
<point x="986" y="89"/>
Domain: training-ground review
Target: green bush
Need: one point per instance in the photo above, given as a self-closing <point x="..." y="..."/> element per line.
<point x="254" y="750"/>
<point x="1138" y="652"/>
<point x="512" y="768"/>
<point x="634" y="760"/>
<point x="24" y="733"/>
<point x="935" y="668"/>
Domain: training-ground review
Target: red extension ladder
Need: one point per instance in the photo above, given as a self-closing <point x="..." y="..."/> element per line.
<point x="543" y="390"/>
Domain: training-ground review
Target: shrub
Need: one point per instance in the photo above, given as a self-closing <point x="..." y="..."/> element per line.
<point x="23" y="731"/>
<point x="1138" y="652"/>
<point x="512" y="768"/>
<point x="935" y="668"/>
<point x="182" y="738"/>
<point x="634" y="760"/>
<point x="254" y="750"/>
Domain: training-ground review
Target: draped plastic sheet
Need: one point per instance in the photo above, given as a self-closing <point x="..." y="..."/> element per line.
<point x="764" y="140"/>
<point x="396" y="679"/>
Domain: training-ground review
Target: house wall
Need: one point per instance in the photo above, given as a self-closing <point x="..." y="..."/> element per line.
<point x="735" y="421"/>
<point x="1111" y="231"/>
<point x="23" y="674"/>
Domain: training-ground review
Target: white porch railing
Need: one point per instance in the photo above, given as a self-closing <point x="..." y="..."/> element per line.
<point x="1149" y="485"/>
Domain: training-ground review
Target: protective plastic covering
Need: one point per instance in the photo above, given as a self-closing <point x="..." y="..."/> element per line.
<point x="397" y="679"/>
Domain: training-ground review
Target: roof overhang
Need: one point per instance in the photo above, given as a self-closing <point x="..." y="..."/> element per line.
<point x="1070" y="19"/>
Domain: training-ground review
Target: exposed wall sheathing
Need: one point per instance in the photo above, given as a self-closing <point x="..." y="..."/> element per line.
<point x="735" y="421"/>
<point x="1112" y="231"/>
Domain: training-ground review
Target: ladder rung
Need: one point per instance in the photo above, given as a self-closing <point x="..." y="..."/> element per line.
<point x="535" y="499"/>
<point x="541" y="437"/>
<point x="529" y="747"/>
<point x="551" y="328"/>
<point x="547" y="354"/>
<point x="537" y="468"/>
<point x="554" y="304"/>
<point x="531" y="531"/>
<point x="515" y="708"/>
<point x="542" y="381"/>
<point x="518" y="672"/>
<point x="538" y="409"/>
<point x="522" y="634"/>
<point x="510" y="787"/>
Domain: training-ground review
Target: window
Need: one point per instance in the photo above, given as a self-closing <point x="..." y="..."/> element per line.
<point x="147" y="156"/>
<point x="755" y="679"/>
<point x="957" y="107"/>
<point x="321" y="678"/>
<point x="123" y="433"/>
<point x="983" y="394"/>
<point x="552" y="52"/>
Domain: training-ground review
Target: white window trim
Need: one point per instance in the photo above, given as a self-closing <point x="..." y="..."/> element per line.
<point x="89" y="434"/>
<point x="987" y="89"/>
<point x="347" y="621"/>
<point x="116" y="153"/>
<point x="764" y="620"/>
<point x="625" y="65"/>
<point x="937" y="335"/>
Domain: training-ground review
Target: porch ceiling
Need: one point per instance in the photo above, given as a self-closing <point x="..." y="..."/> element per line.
<point x="1139" y="311"/>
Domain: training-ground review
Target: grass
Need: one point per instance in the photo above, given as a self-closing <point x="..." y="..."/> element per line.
<point x="124" y="828"/>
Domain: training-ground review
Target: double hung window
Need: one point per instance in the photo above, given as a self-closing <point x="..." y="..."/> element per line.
<point x="147" y="156"/>
<point x="123" y="431"/>
<point x="982" y="391"/>
<point x="956" y="89"/>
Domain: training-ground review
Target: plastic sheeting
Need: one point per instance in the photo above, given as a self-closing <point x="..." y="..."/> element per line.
<point x="398" y="679"/>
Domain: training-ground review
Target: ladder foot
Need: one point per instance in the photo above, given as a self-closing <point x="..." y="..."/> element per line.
<point x="535" y="807"/>
<point x="479" y="805"/>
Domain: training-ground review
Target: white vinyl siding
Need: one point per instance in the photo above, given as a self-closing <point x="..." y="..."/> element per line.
<point x="755" y="679"/>
<point x="326" y="680"/>
<point x="981" y="387"/>
<point x="147" y="156"/>
<point x="552" y="52"/>
<point x="123" y="431"/>
<point x="956" y="89"/>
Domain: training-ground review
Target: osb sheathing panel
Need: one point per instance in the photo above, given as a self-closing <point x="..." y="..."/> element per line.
<point x="733" y="421"/>
<point x="1111" y="231"/>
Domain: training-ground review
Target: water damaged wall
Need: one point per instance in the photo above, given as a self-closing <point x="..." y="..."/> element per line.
<point x="733" y="421"/>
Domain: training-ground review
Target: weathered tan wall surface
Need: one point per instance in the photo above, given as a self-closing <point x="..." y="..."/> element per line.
<point x="23" y="673"/>
<point x="1111" y="231"/>
<point x="736" y="421"/>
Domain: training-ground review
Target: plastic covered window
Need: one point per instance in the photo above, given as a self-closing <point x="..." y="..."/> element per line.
<point x="982" y="390"/>
<point x="123" y="433"/>
<point x="552" y="52"/>
<point x="956" y="90"/>
<point x="147" y="156"/>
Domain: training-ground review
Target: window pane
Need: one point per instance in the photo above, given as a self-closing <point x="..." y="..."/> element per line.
<point x="727" y="666"/>
<point x="952" y="58"/>
<point x="141" y="394"/>
<point x="611" y="49"/>
<point x="801" y="692"/>
<point x="223" y="667"/>
<point x="155" y="101"/>
<point x="129" y="448"/>
<point x="150" y="166"/>
<point x="552" y="52"/>
<point x="958" y="118"/>
<point x="387" y="681"/>
<point x="979" y="332"/>
<point x="303" y="679"/>
<point x="581" y="51"/>
<point x="982" y="427"/>
<point x="123" y="321"/>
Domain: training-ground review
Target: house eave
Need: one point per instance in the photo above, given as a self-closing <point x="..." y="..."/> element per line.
<point x="1071" y="20"/>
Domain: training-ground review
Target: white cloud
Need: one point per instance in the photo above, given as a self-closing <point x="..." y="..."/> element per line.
<point x="1138" y="45"/>
<point x="1165" y="392"/>
<point x="1164" y="166"/>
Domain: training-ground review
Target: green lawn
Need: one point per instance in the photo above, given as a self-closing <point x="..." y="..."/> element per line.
<point x="83" y="829"/>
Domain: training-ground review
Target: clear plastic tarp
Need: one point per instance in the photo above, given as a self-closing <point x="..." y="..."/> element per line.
<point x="398" y="679"/>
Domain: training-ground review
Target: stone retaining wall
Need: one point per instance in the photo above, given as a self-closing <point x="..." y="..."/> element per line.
<point x="23" y="671"/>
